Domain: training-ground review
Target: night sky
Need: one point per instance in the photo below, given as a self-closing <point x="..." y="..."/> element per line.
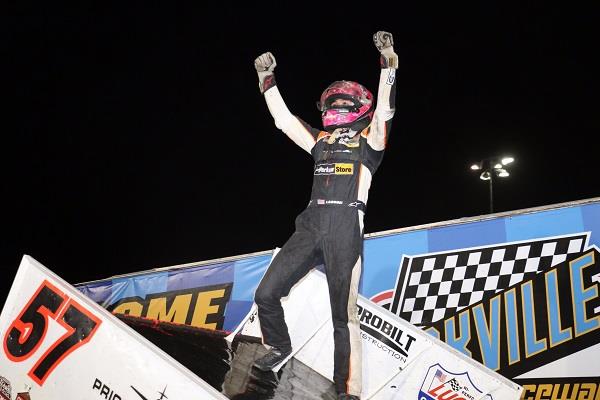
<point x="135" y="135"/>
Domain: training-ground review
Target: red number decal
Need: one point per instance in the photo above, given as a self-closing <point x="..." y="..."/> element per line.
<point x="27" y="332"/>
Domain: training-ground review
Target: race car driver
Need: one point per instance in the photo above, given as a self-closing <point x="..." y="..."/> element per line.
<point x="329" y="232"/>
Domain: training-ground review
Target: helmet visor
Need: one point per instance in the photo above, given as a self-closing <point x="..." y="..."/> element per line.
<point x="340" y="102"/>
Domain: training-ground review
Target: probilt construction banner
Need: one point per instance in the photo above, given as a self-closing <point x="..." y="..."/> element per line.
<point x="58" y="344"/>
<point x="400" y="361"/>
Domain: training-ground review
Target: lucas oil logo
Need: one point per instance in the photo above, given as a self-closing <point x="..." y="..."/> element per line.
<point x="335" y="169"/>
<point x="440" y="384"/>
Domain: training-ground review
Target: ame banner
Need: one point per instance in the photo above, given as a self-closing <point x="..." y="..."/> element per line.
<point x="58" y="344"/>
<point x="202" y="295"/>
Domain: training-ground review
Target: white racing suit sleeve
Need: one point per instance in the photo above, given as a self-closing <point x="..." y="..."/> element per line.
<point x="294" y="128"/>
<point x="384" y="111"/>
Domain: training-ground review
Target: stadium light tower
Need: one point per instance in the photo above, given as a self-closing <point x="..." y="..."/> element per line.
<point x="490" y="169"/>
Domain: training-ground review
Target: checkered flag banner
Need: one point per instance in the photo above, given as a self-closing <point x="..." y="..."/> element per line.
<point x="434" y="286"/>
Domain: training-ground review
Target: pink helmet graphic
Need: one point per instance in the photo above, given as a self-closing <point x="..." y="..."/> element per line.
<point x="358" y="106"/>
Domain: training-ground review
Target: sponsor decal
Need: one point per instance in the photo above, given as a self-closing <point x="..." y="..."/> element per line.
<point x="5" y="389"/>
<point x="202" y="307"/>
<point x="580" y="388"/>
<point x="391" y="77"/>
<point x="104" y="391"/>
<point x="533" y="323"/>
<point x="384" y="334"/>
<point x="344" y="169"/>
<point x="162" y="395"/>
<point x="441" y="384"/>
<point x="323" y="202"/>
<point x="324" y="169"/>
<point x="335" y="169"/>
<point x="27" y="332"/>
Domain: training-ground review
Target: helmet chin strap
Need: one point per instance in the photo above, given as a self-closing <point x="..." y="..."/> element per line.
<point x="352" y="130"/>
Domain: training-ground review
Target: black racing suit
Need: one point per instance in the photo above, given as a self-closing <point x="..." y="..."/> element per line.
<point x="330" y="230"/>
